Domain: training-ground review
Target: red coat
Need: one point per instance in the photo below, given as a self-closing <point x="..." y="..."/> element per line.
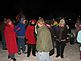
<point x="30" y="35"/>
<point x="10" y="38"/>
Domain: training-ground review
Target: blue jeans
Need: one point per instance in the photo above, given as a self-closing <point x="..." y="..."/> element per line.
<point x="21" y="43"/>
<point x="43" y="56"/>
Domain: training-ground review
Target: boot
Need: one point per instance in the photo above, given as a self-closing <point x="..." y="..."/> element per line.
<point x="9" y="57"/>
<point x="13" y="59"/>
<point x="57" y="56"/>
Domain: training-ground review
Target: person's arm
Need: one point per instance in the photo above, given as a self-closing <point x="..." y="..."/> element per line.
<point x="17" y="28"/>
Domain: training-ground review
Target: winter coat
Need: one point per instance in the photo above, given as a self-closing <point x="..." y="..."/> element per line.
<point x="52" y="32"/>
<point x="20" y="29"/>
<point x="30" y="34"/>
<point x="10" y="38"/>
<point x="61" y="34"/>
<point x="44" y="40"/>
<point x="79" y="37"/>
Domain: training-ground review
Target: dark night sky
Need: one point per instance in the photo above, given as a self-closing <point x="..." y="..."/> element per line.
<point x="39" y="7"/>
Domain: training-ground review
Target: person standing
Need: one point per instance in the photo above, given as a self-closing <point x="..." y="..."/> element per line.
<point x="2" y="25"/>
<point x="61" y="35"/>
<point x="30" y="36"/>
<point x="44" y="42"/>
<point x="20" y="31"/>
<point x="10" y="38"/>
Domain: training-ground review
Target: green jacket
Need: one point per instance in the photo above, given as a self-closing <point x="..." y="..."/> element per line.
<point x="44" y="40"/>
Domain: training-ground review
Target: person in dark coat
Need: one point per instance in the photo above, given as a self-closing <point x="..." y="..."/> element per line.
<point x="61" y="36"/>
<point x="2" y="25"/>
<point x="10" y="38"/>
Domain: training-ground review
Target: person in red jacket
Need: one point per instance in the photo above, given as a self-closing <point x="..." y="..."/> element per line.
<point x="10" y="38"/>
<point x="30" y="36"/>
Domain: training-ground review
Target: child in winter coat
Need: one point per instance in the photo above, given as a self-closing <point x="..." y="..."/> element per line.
<point x="20" y="31"/>
<point x="30" y="36"/>
<point x="10" y="38"/>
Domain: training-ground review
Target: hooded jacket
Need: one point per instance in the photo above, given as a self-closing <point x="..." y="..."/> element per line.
<point x="20" y="29"/>
<point x="10" y="38"/>
<point x="30" y="34"/>
<point x="44" y="40"/>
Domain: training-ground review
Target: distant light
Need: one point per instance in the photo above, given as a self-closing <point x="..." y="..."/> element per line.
<point x="2" y="16"/>
<point x="69" y="19"/>
<point x="79" y="15"/>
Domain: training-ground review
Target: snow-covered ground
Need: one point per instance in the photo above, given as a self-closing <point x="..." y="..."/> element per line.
<point x="71" y="53"/>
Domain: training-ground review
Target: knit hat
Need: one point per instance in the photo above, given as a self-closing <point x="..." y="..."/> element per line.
<point x="33" y="20"/>
<point x="41" y="21"/>
<point x="62" y="22"/>
<point x="40" y="17"/>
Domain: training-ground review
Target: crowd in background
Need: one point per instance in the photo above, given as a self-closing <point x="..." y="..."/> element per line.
<point x="40" y="35"/>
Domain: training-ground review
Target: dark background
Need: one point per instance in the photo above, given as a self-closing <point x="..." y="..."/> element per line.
<point x="40" y="7"/>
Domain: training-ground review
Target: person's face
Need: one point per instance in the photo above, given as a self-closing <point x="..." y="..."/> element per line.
<point x="62" y="26"/>
<point x="10" y="23"/>
<point x="32" y="22"/>
<point x="39" y="24"/>
<point x="24" y="21"/>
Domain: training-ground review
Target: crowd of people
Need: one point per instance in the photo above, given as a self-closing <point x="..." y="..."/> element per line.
<point x="41" y="37"/>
